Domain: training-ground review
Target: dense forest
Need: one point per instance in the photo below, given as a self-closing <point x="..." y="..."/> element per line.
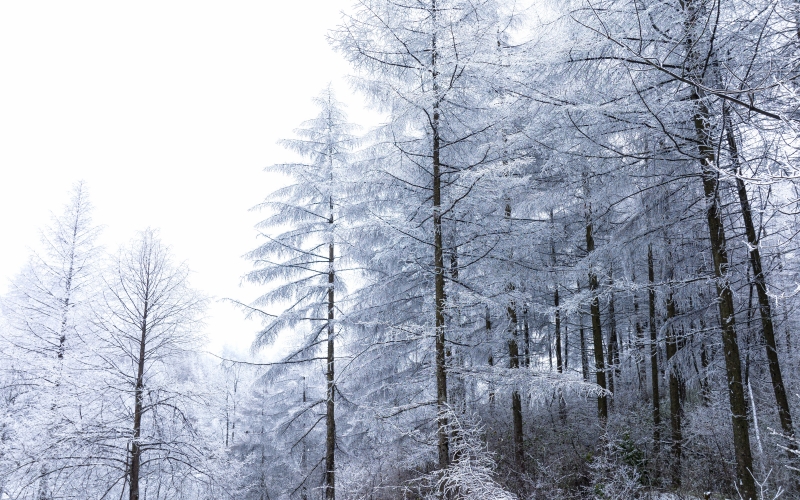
<point x="562" y="267"/>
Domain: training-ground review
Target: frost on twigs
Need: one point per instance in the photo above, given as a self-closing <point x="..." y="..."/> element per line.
<point x="472" y="467"/>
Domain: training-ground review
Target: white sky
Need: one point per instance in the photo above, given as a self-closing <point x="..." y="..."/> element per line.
<point x="168" y="110"/>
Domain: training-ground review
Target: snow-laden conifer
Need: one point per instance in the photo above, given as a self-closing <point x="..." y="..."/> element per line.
<point x="301" y="259"/>
<point x="45" y="350"/>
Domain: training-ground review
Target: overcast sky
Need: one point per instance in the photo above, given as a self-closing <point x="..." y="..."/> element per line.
<point x="169" y="110"/>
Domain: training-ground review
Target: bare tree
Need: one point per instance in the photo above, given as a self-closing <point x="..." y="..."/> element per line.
<point x="151" y="321"/>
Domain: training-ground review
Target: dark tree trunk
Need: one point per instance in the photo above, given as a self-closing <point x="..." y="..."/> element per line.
<point x="759" y="279"/>
<point x="438" y="263"/>
<point x="527" y="336"/>
<point x="560" y="364"/>
<point x="566" y="346"/>
<point x="613" y="347"/>
<point x="640" y="355"/>
<point x="675" y="400"/>
<point x="705" y="388"/>
<point x="330" y="420"/>
<point x="513" y="359"/>
<point x="491" y="355"/>
<point x="516" y="400"/>
<point x="730" y="345"/>
<point x="559" y="359"/>
<point x="597" y="333"/>
<point x="697" y="69"/>
<point x="654" y="373"/>
<point x="582" y="336"/>
<point x="138" y="410"/>
<point x="304" y="451"/>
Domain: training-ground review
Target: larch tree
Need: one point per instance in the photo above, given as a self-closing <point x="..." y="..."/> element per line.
<point x="302" y="254"/>
<point x="48" y="307"/>
<point x="428" y="66"/>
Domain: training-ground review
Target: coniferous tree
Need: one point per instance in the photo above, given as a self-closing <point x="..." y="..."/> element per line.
<point x="48" y="306"/>
<point x="301" y="263"/>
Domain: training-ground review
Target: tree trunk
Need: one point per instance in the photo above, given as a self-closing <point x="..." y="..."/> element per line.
<point x="136" y="449"/>
<point x="582" y="336"/>
<point x="491" y="355"/>
<point x="675" y="403"/>
<point x="330" y="427"/>
<point x="613" y="347"/>
<point x="719" y="252"/>
<point x="527" y="336"/>
<point x="566" y="345"/>
<point x="696" y="66"/>
<point x="438" y="263"/>
<point x="559" y="359"/>
<point x="654" y="373"/>
<point x="516" y="400"/>
<point x="640" y="356"/>
<point x="759" y="279"/>
<point x="597" y="333"/>
<point x="303" y="452"/>
<point x="513" y="360"/>
<point x="705" y="388"/>
<point x="560" y="365"/>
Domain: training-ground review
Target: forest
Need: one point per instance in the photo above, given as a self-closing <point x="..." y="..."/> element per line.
<point x="563" y="266"/>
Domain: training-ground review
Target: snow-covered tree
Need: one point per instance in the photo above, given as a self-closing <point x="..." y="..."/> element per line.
<point x="45" y="347"/>
<point x="301" y="261"/>
<point x="149" y="332"/>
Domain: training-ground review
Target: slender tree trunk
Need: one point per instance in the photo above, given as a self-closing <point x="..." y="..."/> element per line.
<point x="233" y="422"/>
<point x="527" y="336"/>
<point x="613" y="346"/>
<point x="560" y="365"/>
<point x="491" y="355"/>
<point x="697" y="70"/>
<point x="438" y="263"/>
<point x="330" y="408"/>
<point x="559" y="359"/>
<point x="733" y="367"/>
<point x="597" y="333"/>
<point x="705" y="388"/>
<point x="582" y="336"/>
<point x="513" y="358"/>
<point x="303" y="452"/>
<point x="654" y="373"/>
<point x="44" y="484"/>
<point x="330" y="427"/>
<point x="640" y="356"/>
<point x="566" y="345"/>
<point x="227" y="419"/>
<point x="675" y="402"/>
<point x="455" y="357"/>
<point x="759" y="279"/>
<point x="138" y="410"/>
<point x="516" y="400"/>
<point x="263" y="476"/>
<point x="559" y="362"/>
